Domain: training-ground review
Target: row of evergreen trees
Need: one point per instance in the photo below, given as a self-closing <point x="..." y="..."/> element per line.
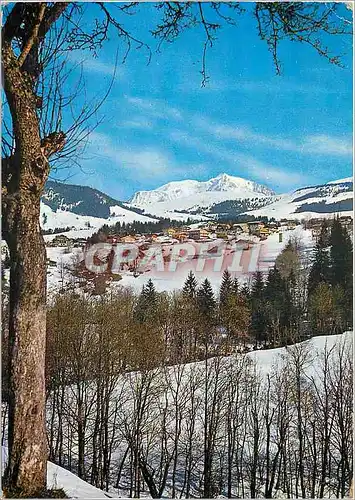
<point x="330" y="283"/>
<point x="136" y="227"/>
<point x="297" y="299"/>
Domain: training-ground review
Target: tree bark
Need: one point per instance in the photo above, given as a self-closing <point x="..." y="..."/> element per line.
<point x="27" y="335"/>
<point x="24" y="177"/>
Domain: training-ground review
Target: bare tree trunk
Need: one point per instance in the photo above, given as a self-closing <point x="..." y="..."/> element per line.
<point x="27" y="332"/>
<point x="24" y="175"/>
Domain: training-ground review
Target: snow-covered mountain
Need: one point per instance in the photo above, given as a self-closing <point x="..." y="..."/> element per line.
<point x="66" y="206"/>
<point x="83" y="208"/>
<point x="312" y="201"/>
<point x="196" y="197"/>
<point x="227" y="197"/>
<point x="80" y="200"/>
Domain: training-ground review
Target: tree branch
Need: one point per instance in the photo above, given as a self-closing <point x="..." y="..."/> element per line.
<point x="33" y="38"/>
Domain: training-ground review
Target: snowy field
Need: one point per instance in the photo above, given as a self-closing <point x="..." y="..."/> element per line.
<point x="261" y="255"/>
<point x="169" y="392"/>
<point x="59" y="478"/>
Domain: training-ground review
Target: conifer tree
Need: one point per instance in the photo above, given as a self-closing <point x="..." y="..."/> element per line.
<point x="279" y="305"/>
<point x="341" y="269"/>
<point x="258" y="303"/>
<point x="245" y="292"/>
<point x="235" y="286"/>
<point x="206" y="300"/>
<point x="340" y="256"/>
<point x="150" y="292"/>
<point x="147" y="302"/>
<point x="190" y="286"/>
<point x="226" y="288"/>
<point x="320" y="270"/>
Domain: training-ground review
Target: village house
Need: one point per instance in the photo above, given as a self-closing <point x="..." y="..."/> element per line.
<point x="194" y="234"/>
<point x="291" y="225"/>
<point x="113" y="239"/>
<point x="171" y="231"/>
<point x="222" y="235"/>
<point x="347" y="222"/>
<point x="181" y="236"/>
<point x="240" y="228"/>
<point x="79" y="242"/>
<point x="255" y="226"/>
<point x="264" y="232"/>
<point x="60" y="241"/>
<point x="273" y="227"/>
<point x="128" y="239"/>
<point x="204" y="234"/>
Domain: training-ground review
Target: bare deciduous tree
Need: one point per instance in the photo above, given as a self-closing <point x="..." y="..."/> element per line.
<point x="34" y="38"/>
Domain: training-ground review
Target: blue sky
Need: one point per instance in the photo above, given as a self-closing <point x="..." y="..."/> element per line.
<point x="159" y="124"/>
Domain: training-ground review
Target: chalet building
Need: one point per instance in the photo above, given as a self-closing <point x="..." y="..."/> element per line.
<point x="79" y="242"/>
<point x="264" y="233"/>
<point x="204" y="234"/>
<point x="128" y="239"/>
<point x="291" y="225"/>
<point x="222" y="235"/>
<point x="240" y="228"/>
<point x="181" y="236"/>
<point x="255" y="226"/>
<point x="273" y="227"/>
<point x="347" y="222"/>
<point x="194" y="234"/>
<point x="113" y="239"/>
<point x="171" y="231"/>
<point x="60" y="241"/>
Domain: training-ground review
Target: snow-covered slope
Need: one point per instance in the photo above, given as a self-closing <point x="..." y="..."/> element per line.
<point x="85" y="225"/>
<point x="194" y="196"/>
<point x="59" y="478"/>
<point x="86" y="209"/>
<point x="82" y="208"/>
<point x="313" y="201"/>
<point x="227" y="196"/>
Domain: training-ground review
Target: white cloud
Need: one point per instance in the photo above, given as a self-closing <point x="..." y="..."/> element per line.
<point x="138" y="122"/>
<point x="312" y="144"/>
<point x="327" y="145"/>
<point x="146" y="164"/>
<point x="94" y="65"/>
<point x="143" y="161"/>
<point x="246" y="165"/>
<point x="156" y="107"/>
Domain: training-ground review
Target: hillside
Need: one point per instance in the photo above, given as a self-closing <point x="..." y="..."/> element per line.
<point x="194" y="197"/>
<point x="312" y="201"/>
<point x="66" y="206"/>
<point x="83" y="208"/>
<point x="227" y="197"/>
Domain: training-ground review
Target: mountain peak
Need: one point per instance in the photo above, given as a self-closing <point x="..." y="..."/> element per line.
<point x="191" y="192"/>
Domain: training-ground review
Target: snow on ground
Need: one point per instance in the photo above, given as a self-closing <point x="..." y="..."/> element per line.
<point x="267" y="359"/>
<point x="260" y="256"/>
<point x="339" y="181"/>
<point x="60" y="262"/>
<point x="285" y="207"/>
<point x="74" y="487"/>
<point x="265" y="252"/>
<point x="288" y="203"/>
<point x="58" y="478"/>
<point x="84" y="225"/>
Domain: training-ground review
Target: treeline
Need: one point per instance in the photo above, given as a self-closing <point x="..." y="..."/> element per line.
<point x="330" y="283"/>
<point x="57" y="230"/>
<point x="220" y="427"/>
<point x="136" y="227"/>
